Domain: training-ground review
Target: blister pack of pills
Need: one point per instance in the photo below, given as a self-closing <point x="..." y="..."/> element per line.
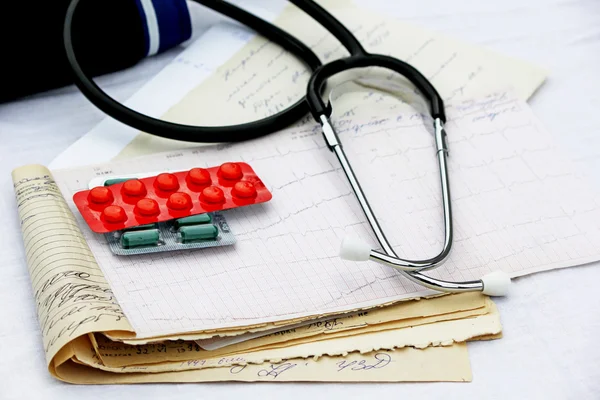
<point x="194" y="232"/>
<point x="167" y="196"/>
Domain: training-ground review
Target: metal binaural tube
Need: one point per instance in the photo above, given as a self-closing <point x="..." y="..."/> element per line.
<point x="409" y="268"/>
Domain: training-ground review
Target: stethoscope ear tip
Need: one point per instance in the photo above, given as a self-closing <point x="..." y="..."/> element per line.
<point x="354" y="249"/>
<point x="496" y="283"/>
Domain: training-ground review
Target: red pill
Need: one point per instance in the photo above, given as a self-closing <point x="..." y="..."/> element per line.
<point x="134" y="187"/>
<point x="244" y="190"/>
<point x="167" y="182"/>
<point x="179" y="201"/>
<point x="147" y="207"/>
<point x="212" y="194"/>
<point x="199" y="176"/>
<point x="100" y="195"/>
<point x="231" y="171"/>
<point x="114" y="214"/>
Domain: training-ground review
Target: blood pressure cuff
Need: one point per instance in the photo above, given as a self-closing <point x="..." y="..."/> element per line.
<point x="108" y="36"/>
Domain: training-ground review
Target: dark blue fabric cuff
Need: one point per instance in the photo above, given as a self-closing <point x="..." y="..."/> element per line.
<point x="166" y="24"/>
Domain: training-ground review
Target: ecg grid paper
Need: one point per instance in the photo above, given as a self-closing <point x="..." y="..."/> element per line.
<point x="519" y="205"/>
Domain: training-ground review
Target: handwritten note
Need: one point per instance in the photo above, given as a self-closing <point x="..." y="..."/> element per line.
<point x="450" y="363"/>
<point x="71" y="294"/>
<point x="441" y="333"/>
<point x="402" y="311"/>
<point x="408" y="314"/>
<point x="262" y="79"/>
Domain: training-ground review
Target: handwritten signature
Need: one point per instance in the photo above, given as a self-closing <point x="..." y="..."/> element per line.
<point x="381" y="360"/>
<point x="272" y="371"/>
<point x="275" y="370"/>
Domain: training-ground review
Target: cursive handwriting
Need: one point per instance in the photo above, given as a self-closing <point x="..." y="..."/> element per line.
<point x="381" y="360"/>
<point x="72" y="296"/>
<point x="275" y="370"/>
<point x="236" y="369"/>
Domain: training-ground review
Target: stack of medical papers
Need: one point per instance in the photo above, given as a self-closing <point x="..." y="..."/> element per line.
<point x="88" y="338"/>
<point x="280" y="305"/>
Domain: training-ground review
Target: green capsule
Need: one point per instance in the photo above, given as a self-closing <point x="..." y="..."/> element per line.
<point x="194" y="220"/>
<point x="110" y="182"/>
<point x="142" y="227"/>
<point x="194" y="233"/>
<point x="145" y="238"/>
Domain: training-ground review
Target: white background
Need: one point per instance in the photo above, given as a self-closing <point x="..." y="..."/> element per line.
<point x="551" y="320"/>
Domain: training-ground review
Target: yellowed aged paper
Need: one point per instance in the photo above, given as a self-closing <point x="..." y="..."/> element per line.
<point x="404" y="309"/>
<point x="262" y="79"/>
<point x="443" y="333"/>
<point x="413" y="312"/>
<point x="71" y="295"/>
<point x="114" y="354"/>
<point x="433" y="364"/>
<point x="408" y="323"/>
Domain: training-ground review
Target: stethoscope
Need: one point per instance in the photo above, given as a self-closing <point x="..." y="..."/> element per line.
<point x="493" y="284"/>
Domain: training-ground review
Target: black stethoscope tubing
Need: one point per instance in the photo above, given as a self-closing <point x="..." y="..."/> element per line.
<point x="190" y="133"/>
<point x="236" y="133"/>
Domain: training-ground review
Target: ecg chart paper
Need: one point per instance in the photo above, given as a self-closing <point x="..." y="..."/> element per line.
<point x="519" y="206"/>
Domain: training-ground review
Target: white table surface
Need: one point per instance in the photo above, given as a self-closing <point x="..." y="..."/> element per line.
<point x="551" y="320"/>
